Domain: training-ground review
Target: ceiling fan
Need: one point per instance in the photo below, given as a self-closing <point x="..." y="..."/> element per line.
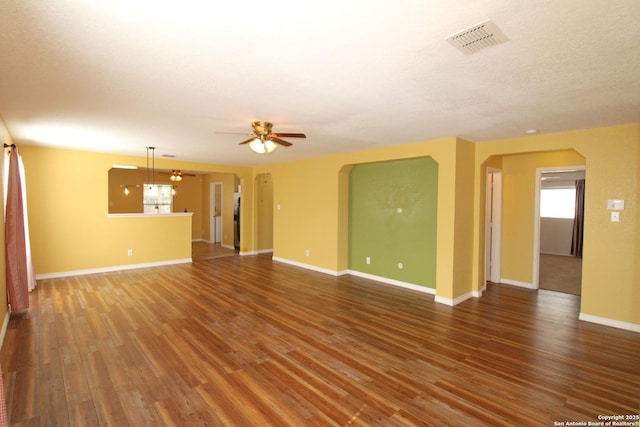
<point x="263" y="140"/>
<point x="177" y="175"/>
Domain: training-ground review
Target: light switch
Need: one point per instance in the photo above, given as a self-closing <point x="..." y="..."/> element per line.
<point x="615" y="204"/>
<point x="615" y="216"/>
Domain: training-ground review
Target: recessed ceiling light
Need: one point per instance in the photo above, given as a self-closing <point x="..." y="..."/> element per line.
<point x="531" y="131"/>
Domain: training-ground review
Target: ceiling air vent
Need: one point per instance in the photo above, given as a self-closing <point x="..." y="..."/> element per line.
<point x="478" y="37"/>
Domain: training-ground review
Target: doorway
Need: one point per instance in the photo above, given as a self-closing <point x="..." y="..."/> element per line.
<point x="558" y="264"/>
<point x="215" y="212"/>
<point x="493" y="225"/>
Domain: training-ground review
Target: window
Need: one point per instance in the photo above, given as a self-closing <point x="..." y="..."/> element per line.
<point x="558" y="203"/>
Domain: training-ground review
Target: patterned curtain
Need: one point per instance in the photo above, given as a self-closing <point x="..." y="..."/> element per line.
<point x="3" y="406"/>
<point x="578" y="221"/>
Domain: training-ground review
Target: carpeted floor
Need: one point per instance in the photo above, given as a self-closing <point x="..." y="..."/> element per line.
<point x="561" y="273"/>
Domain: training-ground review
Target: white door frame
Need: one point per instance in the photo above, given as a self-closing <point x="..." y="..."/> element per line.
<point x="493" y="225"/>
<point x="213" y="188"/>
<point x="536" y="219"/>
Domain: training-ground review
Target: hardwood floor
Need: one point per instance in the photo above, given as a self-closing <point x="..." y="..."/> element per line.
<point x="250" y="342"/>
<point x="204" y="250"/>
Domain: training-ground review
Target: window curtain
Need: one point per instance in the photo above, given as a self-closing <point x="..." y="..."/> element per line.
<point x="578" y="221"/>
<point x="19" y="270"/>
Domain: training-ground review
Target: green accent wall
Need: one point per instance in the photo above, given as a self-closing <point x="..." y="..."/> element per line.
<point x="388" y="237"/>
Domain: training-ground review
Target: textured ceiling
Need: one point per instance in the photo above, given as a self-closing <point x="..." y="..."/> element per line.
<point x="117" y="76"/>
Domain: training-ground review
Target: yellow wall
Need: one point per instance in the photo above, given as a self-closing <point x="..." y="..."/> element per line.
<point x="463" y="245"/>
<point x="67" y="192"/>
<point x="611" y="258"/>
<point x="189" y="197"/>
<point x="264" y="209"/>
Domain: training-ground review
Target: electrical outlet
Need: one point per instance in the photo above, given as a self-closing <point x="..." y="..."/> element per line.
<point x="368" y="260"/>
<point x="400" y="266"/>
<point x="130" y="252"/>
<point x="307" y="252"/>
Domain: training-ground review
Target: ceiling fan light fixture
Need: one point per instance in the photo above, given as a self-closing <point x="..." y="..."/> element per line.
<point x="261" y="147"/>
<point x="176" y="176"/>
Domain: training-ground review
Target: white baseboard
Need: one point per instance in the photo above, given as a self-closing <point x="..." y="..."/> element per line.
<point x="458" y="300"/>
<point x="5" y="323"/>
<point x="557" y="253"/>
<point x="111" y="269"/>
<point x="307" y="266"/>
<point x="388" y="281"/>
<point x="609" y="322"/>
<point x="258" y="252"/>
<point x="212" y="243"/>
<point x="517" y="283"/>
<point x="394" y="282"/>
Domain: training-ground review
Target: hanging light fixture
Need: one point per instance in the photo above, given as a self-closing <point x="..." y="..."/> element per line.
<point x="262" y="145"/>
<point x="176" y="176"/>
<point x="153" y="166"/>
<point x="150" y="173"/>
<point x="128" y="187"/>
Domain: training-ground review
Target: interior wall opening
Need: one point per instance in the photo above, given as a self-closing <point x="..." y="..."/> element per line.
<point x="560" y="218"/>
<point x="520" y="244"/>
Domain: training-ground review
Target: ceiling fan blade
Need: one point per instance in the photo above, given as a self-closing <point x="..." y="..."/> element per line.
<point x="248" y="140"/>
<point x="289" y="135"/>
<point x="279" y="141"/>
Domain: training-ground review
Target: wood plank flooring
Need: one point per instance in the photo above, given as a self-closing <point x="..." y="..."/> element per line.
<point x="244" y="341"/>
<point x="204" y="250"/>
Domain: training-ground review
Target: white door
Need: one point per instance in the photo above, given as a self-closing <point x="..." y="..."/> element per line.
<point x="493" y="221"/>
